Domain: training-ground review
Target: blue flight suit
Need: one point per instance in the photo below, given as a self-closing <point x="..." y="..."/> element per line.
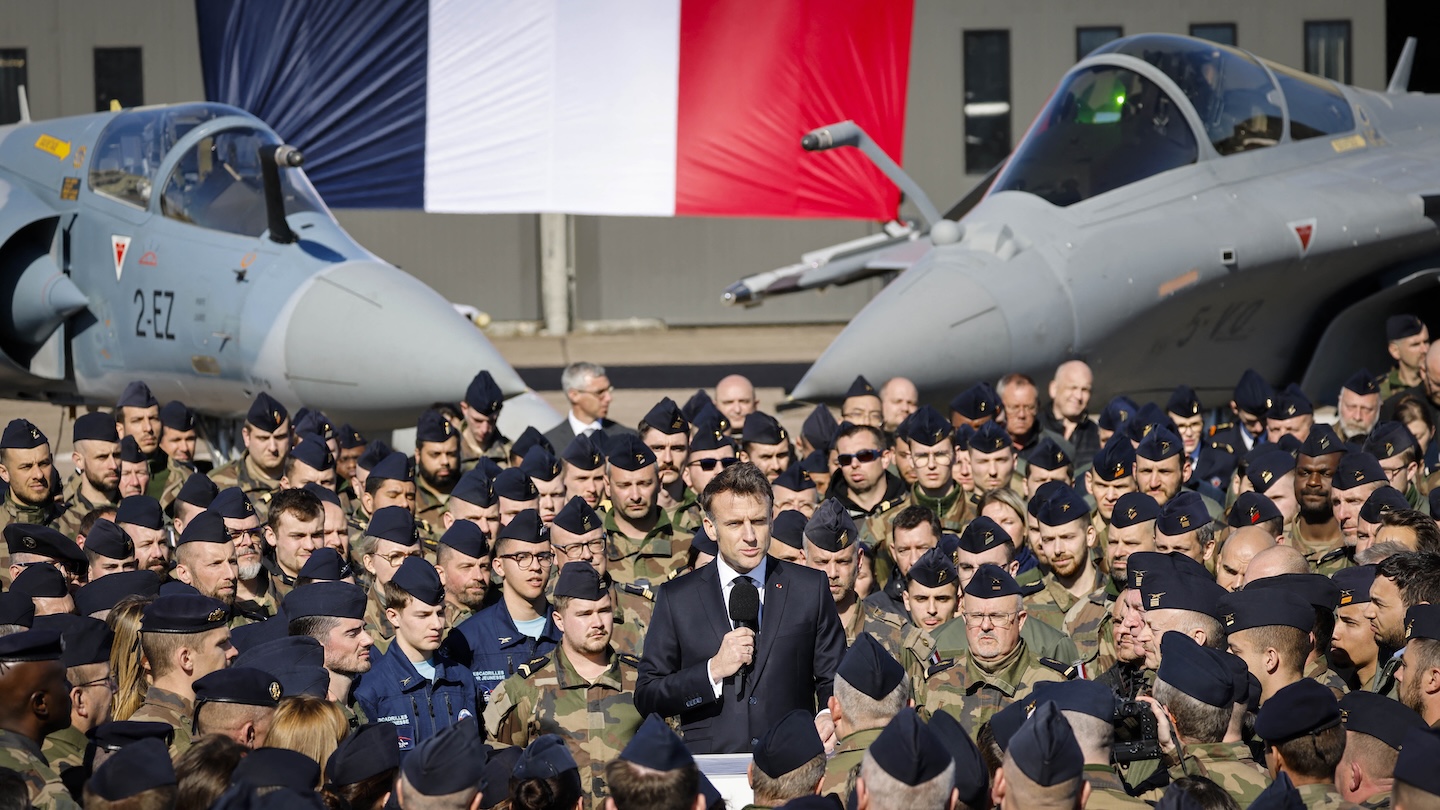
<point x="394" y="692"/>
<point x="495" y="647"/>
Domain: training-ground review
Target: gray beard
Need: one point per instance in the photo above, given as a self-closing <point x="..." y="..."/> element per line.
<point x="249" y="571"/>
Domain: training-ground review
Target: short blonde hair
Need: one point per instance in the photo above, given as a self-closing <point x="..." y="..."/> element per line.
<point x="310" y="725"/>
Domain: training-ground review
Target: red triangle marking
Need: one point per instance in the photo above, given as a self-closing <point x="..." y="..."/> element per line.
<point x="1304" y="232"/>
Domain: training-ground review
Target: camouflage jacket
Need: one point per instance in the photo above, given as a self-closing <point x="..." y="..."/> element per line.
<point x="1385" y="682"/>
<point x="498" y="451"/>
<point x="455" y="614"/>
<point x="430" y="504"/>
<point x="973" y="695"/>
<point x="1091" y="626"/>
<point x="844" y="766"/>
<point x="76" y="507"/>
<point x="1230" y="766"/>
<point x="163" y="706"/>
<point x="1051" y="603"/>
<point x="649" y="559"/>
<point x="12" y="512"/>
<point x="1321" y="672"/>
<point x="20" y="754"/>
<point x="547" y="696"/>
<point x="1380" y="801"/>
<point x="254" y="483"/>
<point x="952" y="508"/>
<point x="1044" y="640"/>
<point x="1392" y="384"/>
<point x="1107" y="790"/>
<point x="65" y="749"/>
<point x="166" y="484"/>
<point x="686" y="516"/>
<point x="376" y="623"/>
<point x="1324" y="796"/>
<point x="633" y="606"/>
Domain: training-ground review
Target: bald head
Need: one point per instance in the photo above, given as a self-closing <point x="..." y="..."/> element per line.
<point x="1070" y="389"/>
<point x="898" y="399"/>
<point x="735" y="397"/>
<point x="1240" y="549"/>
<point x="1275" y="561"/>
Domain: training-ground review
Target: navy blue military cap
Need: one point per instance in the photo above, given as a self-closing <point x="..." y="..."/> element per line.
<point x="176" y="587"/>
<point x="1147" y="420"/>
<point x="656" y="747"/>
<point x="525" y="527"/>
<point x="134" y="769"/>
<point x="312" y="451"/>
<point x="711" y="433"/>
<point x="794" y="478"/>
<point x="1045" y="749"/>
<point x="577" y="517"/>
<point x="326" y="564"/>
<point x="499" y="767"/>
<point x="1200" y="672"/>
<point x="1183" y="513"/>
<point x="16" y="608"/>
<point x="109" y="541"/>
<point x="418" y="577"/>
<point x="540" y="464"/>
<point x="788" y="527"/>
<point x="860" y="387"/>
<point x="1170" y="589"/>
<point x="1354" y="584"/>
<point x="86" y="640"/>
<point x="529" y="438"/>
<point x="198" y="490"/>
<point x="665" y="416"/>
<point x="339" y="599"/>
<point x="97" y="427"/>
<point x="117" y="735"/>
<point x="979" y="401"/>
<point x="580" y="580"/>
<point x="1116" y="413"/>
<point x="474" y="487"/>
<point x="369" y="750"/>
<point x="206" y="527"/>
<point x="1316" y="589"/>
<point x="183" y="613"/>
<point x="1363" y="383"/>
<point x="296" y="663"/>
<point x="1289" y="403"/>
<point x="1253" y="394"/>
<point x="233" y="503"/>
<point x="908" y="751"/>
<point x="28" y="538"/>
<point x="972" y="777"/>
<point x="176" y="415"/>
<point x="815" y="462"/>
<point x="933" y="569"/>
<point x="1265" y="607"/>
<point x="1043" y="493"/>
<point x="981" y="535"/>
<point x="582" y="454"/>
<point x="1177" y="797"/>
<point x="1399" y="327"/>
<point x="991" y="582"/>
<point x="1047" y="454"/>
<point x="1356" y="470"/>
<point x="962" y="436"/>
<point x="516" y="485"/>
<point x="1091" y="698"/>
<point x="1004" y="723"/>
<point x="348" y="437"/>
<point x="1240" y="681"/>
<point x="1064" y="507"/>
<point x="308" y="421"/>
<point x="1389" y="439"/>
<point x="831" y="527"/>
<point x="1143" y="564"/>
<point x="465" y="537"/>
<point x="104" y="593"/>
<point x="394" y="523"/>
<point x="137" y="395"/>
<point x="627" y="452"/>
<point x="1159" y="444"/>
<point x="484" y="395"/>
<point x="31" y="645"/>
<point x="432" y="426"/>
<point x="990" y="438"/>
<point x="1423" y="621"/>
<point x="1115" y="460"/>
<point x="928" y="427"/>
<point x="278" y="767"/>
<point x="544" y="758"/>
<point x="240" y="684"/>
<point x="1133" y="508"/>
<point x="20" y="434"/>
<point x="1183" y="402"/>
<point x="762" y="428"/>
<point x="266" y="413"/>
<point x="1303" y="707"/>
<point x="819" y="428"/>
<point x="41" y="581"/>
<point x="324" y="494"/>
<point x="395" y="467"/>
<point x="1269" y="467"/>
<point x="1251" y="508"/>
<point x="130" y="451"/>
<point x="788" y="745"/>
<point x="702" y="543"/>
<point x="375" y="452"/>
<point x="1386" y="719"/>
<point x="1415" y="767"/>
<point x="870" y="668"/>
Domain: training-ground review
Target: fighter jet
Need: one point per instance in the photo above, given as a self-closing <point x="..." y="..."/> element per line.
<point x="1179" y="210"/>
<point x="184" y="245"/>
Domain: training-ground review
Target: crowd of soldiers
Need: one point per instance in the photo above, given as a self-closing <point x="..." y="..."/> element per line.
<point x="1161" y="605"/>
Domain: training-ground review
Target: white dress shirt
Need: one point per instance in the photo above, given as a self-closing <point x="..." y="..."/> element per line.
<point x="580" y="427"/>
<point x="728" y="576"/>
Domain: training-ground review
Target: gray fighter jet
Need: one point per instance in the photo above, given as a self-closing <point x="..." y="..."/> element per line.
<point x="1178" y="211"/>
<point x="183" y="245"/>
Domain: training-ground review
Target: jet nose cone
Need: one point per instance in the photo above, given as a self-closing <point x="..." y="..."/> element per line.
<point x="370" y="344"/>
<point x="933" y="324"/>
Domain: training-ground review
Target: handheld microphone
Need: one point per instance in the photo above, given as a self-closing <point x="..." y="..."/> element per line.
<point x="745" y="612"/>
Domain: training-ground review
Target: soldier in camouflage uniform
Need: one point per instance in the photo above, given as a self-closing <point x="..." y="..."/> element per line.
<point x="644" y="549"/>
<point x="177" y="448"/>
<point x="578" y="535"/>
<point x="390" y="481"/>
<point x="831" y="546"/>
<point x="437" y="467"/>
<point x="31" y="669"/>
<point x="544" y="470"/>
<point x="267" y="442"/>
<point x="1375" y="730"/>
<point x="1357" y="477"/>
<point x="96" y="481"/>
<point x="25" y="455"/>
<point x="870" y="687"/>
<point x="929" y="439"/>
<point x="932" y="592"/>
<point x="1075" y="585"/>
<point x="463" y="559"/>
<point x="87" y="668"/>
<point x="1301" y="723"/>
<point x="583" y="691"/>
<point x="794" y="491"/>
<point x="481" y="437"/>
<point x="999" y="666"/>
<point x="390" y="538"/>
<point x="788" y="761"/>
<point x="1407" y="340"/>
<point x="868" y="491"/>
<point x="184" y="638"/>
<point x="667" y="433"/>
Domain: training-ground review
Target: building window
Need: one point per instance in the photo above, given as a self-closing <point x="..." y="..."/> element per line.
<point x="12" y="78"/>
<point x="1327" y="49"/>
<point x="1220" y="33"/>
<point x="987" y="99"/>
<point x="118" y="77"/>
<point x="1088" y="39"/>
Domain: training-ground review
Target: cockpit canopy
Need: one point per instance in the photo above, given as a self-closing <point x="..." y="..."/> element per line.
<point x="215" y="183"/>
<point x="1108" y="126"/>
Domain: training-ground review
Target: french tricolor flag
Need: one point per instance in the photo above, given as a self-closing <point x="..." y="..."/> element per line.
<point x="622" y="107"/>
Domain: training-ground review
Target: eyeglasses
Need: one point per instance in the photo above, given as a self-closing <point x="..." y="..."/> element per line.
<point x="609" y="389"/>
<point x="593" y="548"/>
<point x="864" y="457"/>
<point x="525" y="559"/>
<point x="938" y="459"/>
<point x="108" y="680"/>
<point x="709" y="464"/>
<point x="236" y="534"/>
<point x="1020" y="409"/>
<point x="857" y="416"/>
<point x="395" y="558"/>
<point x="995" y="619"/>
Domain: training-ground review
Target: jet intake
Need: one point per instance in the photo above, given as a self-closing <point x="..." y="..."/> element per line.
<point x="40" y="296"/>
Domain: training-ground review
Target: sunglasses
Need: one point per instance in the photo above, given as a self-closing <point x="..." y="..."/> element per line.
<point x="709" y="464"/>
<point x="864" y="457"/>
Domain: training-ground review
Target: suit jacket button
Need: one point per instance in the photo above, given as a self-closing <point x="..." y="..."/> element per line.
<point x="753" y="701"/>
<point x="754" y="741"/>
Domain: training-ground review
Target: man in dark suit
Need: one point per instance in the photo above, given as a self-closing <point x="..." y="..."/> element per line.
<point x="729" y="683"/>
<point x="589" y="392"/>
